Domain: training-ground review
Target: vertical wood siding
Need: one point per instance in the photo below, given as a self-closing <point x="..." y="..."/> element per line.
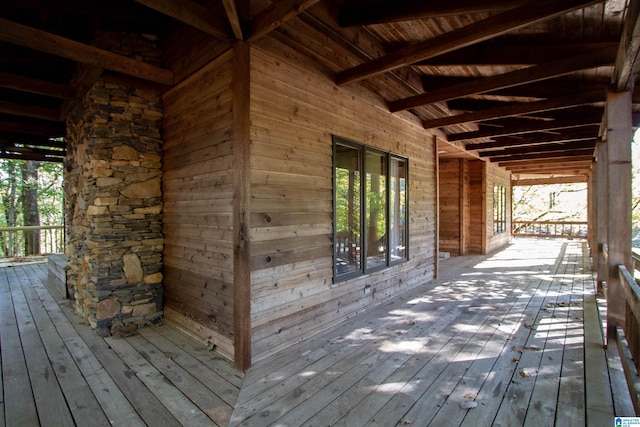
<point x="294" y="112"/>
<point x="477" y="202"/>
<point x="198" y="193"/>
<point x="451" y="184"/>
<point x="496" y="175"/>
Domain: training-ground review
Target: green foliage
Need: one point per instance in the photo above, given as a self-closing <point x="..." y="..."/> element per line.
<point x="50" y="193"/>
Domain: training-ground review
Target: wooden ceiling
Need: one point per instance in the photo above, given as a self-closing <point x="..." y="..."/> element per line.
<point x="518" y="83"/>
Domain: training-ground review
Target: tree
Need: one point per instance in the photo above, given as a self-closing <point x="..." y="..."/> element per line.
<point x="29" y="199"/>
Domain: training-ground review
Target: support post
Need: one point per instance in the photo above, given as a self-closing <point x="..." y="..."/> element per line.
<point x="601" y="183"/>
<point x="619" y="136"/>
<point x="241" y="206"/>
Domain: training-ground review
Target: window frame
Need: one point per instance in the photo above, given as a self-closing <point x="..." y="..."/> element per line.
<point x="362" y="150"/>
<point x="499" y="209"/>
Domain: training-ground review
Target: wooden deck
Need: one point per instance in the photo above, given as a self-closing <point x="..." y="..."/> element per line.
<point x="507" y="340"/>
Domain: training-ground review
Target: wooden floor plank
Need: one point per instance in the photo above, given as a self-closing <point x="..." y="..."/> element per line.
<point x="83" y="405"/>
<point x="209" y="403"/>
<point x="415" y="359"/>
<point x="140" y="397"/>
<point x="218" y="365"/>
<point x="19" y="403"/>
<point x="111" y="399"/>
<point x="185" y="411"/>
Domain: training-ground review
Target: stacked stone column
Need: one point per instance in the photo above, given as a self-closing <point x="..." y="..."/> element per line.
<point x="114" y="206"/>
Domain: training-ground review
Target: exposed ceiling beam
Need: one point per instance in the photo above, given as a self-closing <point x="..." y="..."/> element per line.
<point x="31" y="85"/>
<point x="547" y="181"/>
<point x="194" y="15"/>
<point x="541" y="166"/>
<point x="518" y="109"/>
<point x="40" y="141"/>
<point x="42" y="41"/>
<point x="513" y="54"/>
<point x="540" y="148"/>
<point x="31" y="156"/>
<point x="234" y="18"/>
<point x="530" y="127"/>
<point x="275" y="15"/>
<point x="565" y="155"/>
<point x="33" y="111"/>
<point x="49" y="130"/>
<point x="627" y="61"/>
<point x="527" y="14"/>
<point x="355" y="13"/>
<point x="577" y="135"/>
<point x="533" y="74"/>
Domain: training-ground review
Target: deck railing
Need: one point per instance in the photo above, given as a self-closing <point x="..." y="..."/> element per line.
<point x="549" y="228"/>
<point x="33" y="240"/>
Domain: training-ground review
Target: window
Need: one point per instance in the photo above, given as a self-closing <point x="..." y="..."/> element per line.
<point x="499" y="209"/>
<point x="370" y="208"/>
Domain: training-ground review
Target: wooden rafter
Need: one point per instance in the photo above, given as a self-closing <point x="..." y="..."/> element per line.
<point x="513" y="54"/>
<point x="33" y="111"/>
<point x="42" y="129"/>
<point x="234" y="18"/>
<point x="577" y="178"/>
<point x="275" y="15"/>
<point x="35" y="140"/>
<point x="545" y="71"/>
<point x="31" y="85"/>
<point x="358" y="13"/>
<point x="527" y="14"/>
<point x="628" y="61"/>
<point x="574" y="154"/>
<point x="193" y="14"/>
<point x="540" y="148"/>
<point x="18" y="34"/>
<point x="579" y="134"/>
<point x="518" y="109"/>
<point x="531" y="127"/>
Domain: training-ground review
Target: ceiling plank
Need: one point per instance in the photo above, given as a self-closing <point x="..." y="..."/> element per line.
<point x="12" y="32"/>
<point x="577" y="135"/>
<point x="234" y="18"/>
<point x="192" y="14"/>
<point x="356" y="13"/>
<point x="540" y="148"/>
<point x="275" y="15"/>
<point x="530" y="127"/>
<point x="31" y="85"/>
<point x="533" y="74"/>
<point x="518" y="109"/>
<point x="627" y="61"/>
<point x="527" y="14"/>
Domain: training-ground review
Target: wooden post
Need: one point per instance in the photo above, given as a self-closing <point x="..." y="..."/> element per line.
<point x="241" y="206"/>
<point x="602" y="215"/>
<point x="619" y="136"/>
<point x="436" y="158"/>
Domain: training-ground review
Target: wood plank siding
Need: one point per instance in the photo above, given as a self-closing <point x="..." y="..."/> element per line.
<point x="295" y="110"/>
<point x="198" y="208"/>
<point x="496" y="176"/>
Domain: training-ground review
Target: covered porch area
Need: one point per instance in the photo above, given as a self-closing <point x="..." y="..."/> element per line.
<point x="513" y="338"/>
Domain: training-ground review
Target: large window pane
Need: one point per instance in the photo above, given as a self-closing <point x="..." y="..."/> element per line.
<point x="347" y="209"/>
<point x="397" y="209"/>
<point x="376" y="209"/>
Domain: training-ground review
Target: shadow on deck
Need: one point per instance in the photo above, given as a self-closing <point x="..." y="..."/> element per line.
<point x="506" y="340"/>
